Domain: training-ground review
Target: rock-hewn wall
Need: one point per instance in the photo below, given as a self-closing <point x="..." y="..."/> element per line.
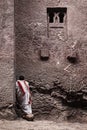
<point x="6" y="52"/>
<point x="64" y="74"/>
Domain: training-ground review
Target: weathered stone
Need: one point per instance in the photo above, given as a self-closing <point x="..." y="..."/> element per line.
<point x="56" y="82"/>
<point x="57" y="79"/>
<point x="7" y="89"/>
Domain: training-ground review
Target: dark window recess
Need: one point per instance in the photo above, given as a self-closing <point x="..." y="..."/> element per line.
<point x="61" y="17"/>
<point x="51" y="16"/>
<point x="56" y="15"/>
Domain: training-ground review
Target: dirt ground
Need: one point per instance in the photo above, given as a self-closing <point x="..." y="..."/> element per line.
<point x="21" y="124"/>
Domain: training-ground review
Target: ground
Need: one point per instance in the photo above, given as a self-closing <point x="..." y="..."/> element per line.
<point x="20" y="124"/>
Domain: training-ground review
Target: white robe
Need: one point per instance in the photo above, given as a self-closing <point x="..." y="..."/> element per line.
<point x="24" y="99"/>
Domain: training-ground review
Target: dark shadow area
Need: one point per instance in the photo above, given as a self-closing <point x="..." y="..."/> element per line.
<point x="61" y="17"/>
<point x="72" y="59"/>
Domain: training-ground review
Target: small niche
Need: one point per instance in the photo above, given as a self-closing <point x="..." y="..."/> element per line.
<point x="72" y="58"/>
<point x="44" y="54"/>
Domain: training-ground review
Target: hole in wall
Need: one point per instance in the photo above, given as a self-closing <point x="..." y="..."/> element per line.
<point x="72" y="59"/>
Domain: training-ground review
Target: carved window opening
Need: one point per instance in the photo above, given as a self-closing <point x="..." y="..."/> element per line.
<point x="57" y="22"/>
<point x="56" y="15"/>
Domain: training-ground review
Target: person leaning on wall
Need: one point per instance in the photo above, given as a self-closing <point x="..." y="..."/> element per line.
<point x="23" y="98"/>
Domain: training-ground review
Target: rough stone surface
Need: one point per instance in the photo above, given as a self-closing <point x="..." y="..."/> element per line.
<point x="6" y="52"/>
<point x="40" y="125"/>
<point x="8" y="113"/>
<point x="58" y="84"/>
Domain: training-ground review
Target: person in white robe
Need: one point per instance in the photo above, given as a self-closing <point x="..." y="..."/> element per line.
<point x="24" y="97"/>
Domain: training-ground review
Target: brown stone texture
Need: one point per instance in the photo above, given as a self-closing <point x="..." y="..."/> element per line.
<point x="6" y="52"/>
<point x="62" y="78"/>
<point x="40" y="125"/>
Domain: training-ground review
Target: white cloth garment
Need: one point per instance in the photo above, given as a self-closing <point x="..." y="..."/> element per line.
<point x="24" y="96"/>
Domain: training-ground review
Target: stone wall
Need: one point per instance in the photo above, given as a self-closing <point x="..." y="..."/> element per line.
<point x="6" y="52"/>
<point x="53" y="59"/>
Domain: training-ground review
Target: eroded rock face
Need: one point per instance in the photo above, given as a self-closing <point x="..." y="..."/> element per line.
<point x="8" y="112"/>
<point x="6" y="52"/>
<point x="59" y="83"/>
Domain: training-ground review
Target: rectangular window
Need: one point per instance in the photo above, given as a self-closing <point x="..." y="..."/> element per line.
<point x="56" y="16"/>
<point x="56" y="23"/>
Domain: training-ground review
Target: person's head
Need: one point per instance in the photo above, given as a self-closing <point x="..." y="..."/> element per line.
<point x="21" y="77"/>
